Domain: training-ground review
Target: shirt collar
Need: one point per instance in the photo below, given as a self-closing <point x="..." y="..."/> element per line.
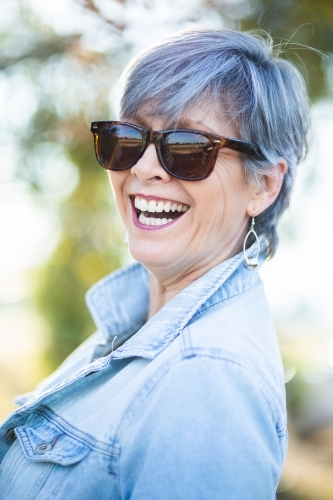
<point x="119" y="304"/>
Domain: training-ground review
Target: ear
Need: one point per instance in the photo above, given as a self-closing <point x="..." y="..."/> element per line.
<point x="267" y="193"/>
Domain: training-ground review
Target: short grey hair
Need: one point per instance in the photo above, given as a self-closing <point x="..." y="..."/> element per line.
<point x="241" y="76"/>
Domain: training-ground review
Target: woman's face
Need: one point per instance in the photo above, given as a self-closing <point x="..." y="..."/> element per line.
<point x="212" y="214"/>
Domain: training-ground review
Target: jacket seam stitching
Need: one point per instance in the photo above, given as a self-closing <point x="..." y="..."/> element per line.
<point x="67" y="429"/>
<point x="214" y="355"/>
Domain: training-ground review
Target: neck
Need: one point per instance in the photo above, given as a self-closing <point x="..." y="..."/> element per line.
<point x="164" y="286"/>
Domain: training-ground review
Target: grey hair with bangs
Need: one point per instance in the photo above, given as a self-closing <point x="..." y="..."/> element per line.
<point x="241" y="77"/>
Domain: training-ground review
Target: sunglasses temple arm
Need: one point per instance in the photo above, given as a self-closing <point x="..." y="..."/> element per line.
<point x="247" y="148"/>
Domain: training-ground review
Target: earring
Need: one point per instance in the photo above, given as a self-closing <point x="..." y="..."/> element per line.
<point x="125" y="237"/>
<point x="251" y="262"/>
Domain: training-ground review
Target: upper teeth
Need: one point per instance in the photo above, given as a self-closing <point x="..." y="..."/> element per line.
<point x="159" y="205"/>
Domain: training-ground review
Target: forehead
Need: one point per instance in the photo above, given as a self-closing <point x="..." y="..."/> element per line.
<point x="198" y="118"/>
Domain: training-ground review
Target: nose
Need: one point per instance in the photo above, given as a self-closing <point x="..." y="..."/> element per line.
<point x="148" y="168"/>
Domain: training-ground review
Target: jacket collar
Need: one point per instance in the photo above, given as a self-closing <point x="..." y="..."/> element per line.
<point x="119" y="305"/>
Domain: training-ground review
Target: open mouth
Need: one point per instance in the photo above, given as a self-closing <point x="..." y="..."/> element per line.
<point x="157" y="212"/>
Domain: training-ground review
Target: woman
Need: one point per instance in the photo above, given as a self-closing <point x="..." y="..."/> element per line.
<point x="179" y="394"/>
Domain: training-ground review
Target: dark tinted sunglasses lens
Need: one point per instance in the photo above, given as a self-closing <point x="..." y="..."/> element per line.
<point x="119" y="146"/>
<point x="187" y="155"/>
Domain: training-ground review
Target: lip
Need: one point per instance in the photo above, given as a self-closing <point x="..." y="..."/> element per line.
<point x="138" y="224"/>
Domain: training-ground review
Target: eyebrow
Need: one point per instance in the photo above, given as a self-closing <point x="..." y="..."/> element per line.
<point x="183" y="123"/>
<point x="143" y="121"/>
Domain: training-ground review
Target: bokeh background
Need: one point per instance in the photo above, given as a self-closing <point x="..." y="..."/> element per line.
<point x="59" y="230"/>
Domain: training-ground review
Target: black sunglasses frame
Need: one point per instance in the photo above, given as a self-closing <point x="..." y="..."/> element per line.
<point x="156" y="136"/>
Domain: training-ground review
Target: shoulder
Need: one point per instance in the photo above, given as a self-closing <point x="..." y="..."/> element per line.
<point x="201" y="386"/>
<point x="210" y="382"/>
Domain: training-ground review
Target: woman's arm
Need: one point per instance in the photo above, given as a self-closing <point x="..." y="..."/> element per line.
<point x="205" y="431"/>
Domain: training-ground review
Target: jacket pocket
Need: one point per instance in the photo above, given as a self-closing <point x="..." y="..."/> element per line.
<point x="45" y="441"/>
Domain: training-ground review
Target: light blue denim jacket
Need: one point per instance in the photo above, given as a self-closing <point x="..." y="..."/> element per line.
<point x="191" y="406"/>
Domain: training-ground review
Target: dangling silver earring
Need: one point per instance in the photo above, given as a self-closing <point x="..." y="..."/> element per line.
<point x="251" y="262"/>
<point x="125" y="237"/>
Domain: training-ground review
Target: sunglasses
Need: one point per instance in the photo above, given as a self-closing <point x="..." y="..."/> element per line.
<point x="186" y="154"/>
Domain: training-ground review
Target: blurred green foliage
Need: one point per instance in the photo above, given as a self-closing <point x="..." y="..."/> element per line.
<point x="69" y="86"/>
<point x="69" y="82"/>
<point x="298" y="26"/>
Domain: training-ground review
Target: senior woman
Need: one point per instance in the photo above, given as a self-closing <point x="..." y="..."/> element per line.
<point x="179" y="394"/>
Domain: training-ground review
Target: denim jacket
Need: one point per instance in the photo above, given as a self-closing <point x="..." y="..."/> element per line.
<point x="190" y="406"/>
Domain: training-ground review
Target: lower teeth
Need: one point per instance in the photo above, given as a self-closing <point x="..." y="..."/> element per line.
<point x="152" y="221"/>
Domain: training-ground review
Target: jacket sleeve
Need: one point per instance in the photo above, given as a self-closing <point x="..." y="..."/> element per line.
<point x="203" y="431"/>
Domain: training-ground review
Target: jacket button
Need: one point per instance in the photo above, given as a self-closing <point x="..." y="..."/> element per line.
<point x="10" y="435"/>
<point x="43" y="448"/>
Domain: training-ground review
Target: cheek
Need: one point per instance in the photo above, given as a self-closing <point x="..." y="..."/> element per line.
<point x="226" y="195"/>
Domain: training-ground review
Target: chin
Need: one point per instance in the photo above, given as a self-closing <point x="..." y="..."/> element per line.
<point x="148" y="254"/>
